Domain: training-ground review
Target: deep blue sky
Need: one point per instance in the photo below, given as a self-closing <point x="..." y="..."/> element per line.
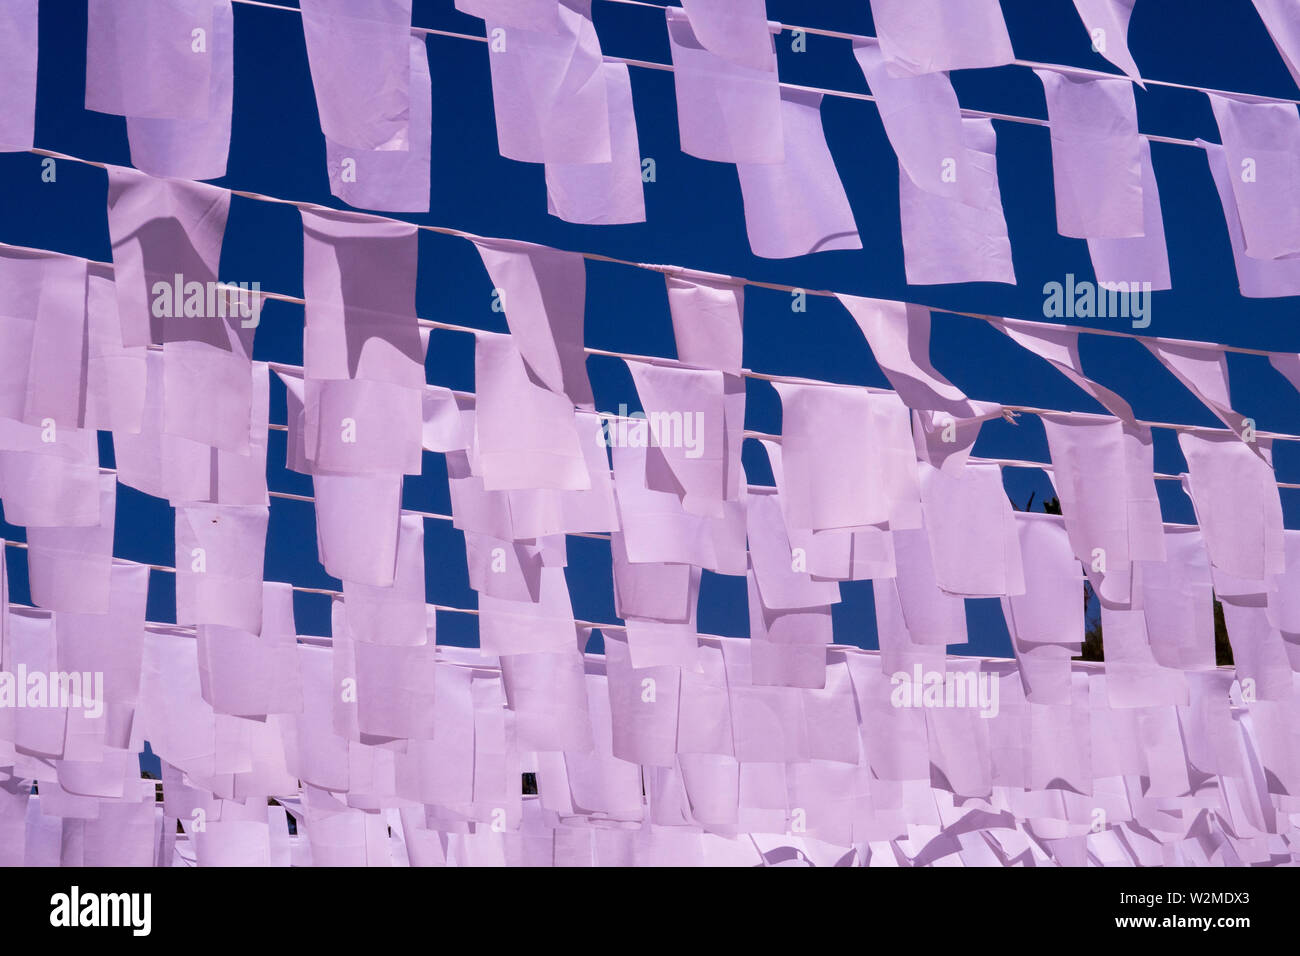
<point x="695" y="219"/>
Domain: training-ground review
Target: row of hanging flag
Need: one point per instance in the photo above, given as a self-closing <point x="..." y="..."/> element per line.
<point x="167" y="66"/>
<point x="434" y="756"/>
<point x="672" y="746"/>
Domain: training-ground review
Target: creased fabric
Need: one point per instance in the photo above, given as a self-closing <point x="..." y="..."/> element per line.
<point x="1107" y="24"/>
<point x="18" y="53"/>
<point x="549" y="89"/>
<point x="657" y="528"/>
<point x="1280" y="19"/>
<point x="360" y="69"/>
<point x="43" y="328"/>
<point x="357" y="518"/>
<point x="1256" y="278"/>
<point x="728" y="111"/>
<point x="1178" y="601"/>
<point x="969" y="522"/>
<point x="948" y="240"/>
<point x="1102" y="472"/>
<point x="923" y="120"/>
<point x="150" y="60"/>
<point x="219" y="562"/>
<point x="848" y="459"/>
<point x="1261" y="142"/>
<point x="363" y="355"/>
<point x="1130" y="264"/>
<point x="1096" y="155"/>
<point x="194" y="147"/>
<point x="1046" y="622"/>
<point x="183" y="470"/>
<point x="899" y="336"/>
<point x="708" y="319"/>
<point x="1205" y="373"/>
<point x="396" y="615"/>
<point x="608" y="193"/>
<point x="926" y="36"/>
<point x="1237" y="503"/>
<point x="162" y="229"/>
<point x="70" y="569"/>
<point x="48" y="483"/>
<point x="684" y="432"/>
<point x="525" y="436"/>
<point x="945" y="440"/>
<point x="396" y="180"/>
<point x="797" y="207"/>
<point x="543" y="293"/>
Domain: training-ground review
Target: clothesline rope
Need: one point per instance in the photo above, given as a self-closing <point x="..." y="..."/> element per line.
<point x="322" y="640"/>
<point x="745" y="372"/>
<point x="682" y="272"/>
<point x="1031" y="64"/>
<point x="1013" y="118"/>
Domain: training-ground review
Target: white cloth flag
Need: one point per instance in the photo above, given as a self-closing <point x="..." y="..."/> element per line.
<point x="925" y="36"/>
<point x="395" y="180"/>
<point x="603" y="193"/>
<point x="42" y="335"/>
<point x="543" y="293"/>
<point x="848" y="459"/>
<point x="363" y="354"/>
<point x="357" y="520"/>
<point x="1238" y="507"/>
<point x="727" y="111"/>
<point x="1257" y="278"/>
<point x="1050" y="610"/>
<point x="684" y="434"/>
<point x="1128" y="265"/>
<point x="947" y="240"/>
<point x="1282" y="18"/>
<point x="194" y="148"/>
<point x="922" y="118"/>
<point x="1204" y="370"/>
<point x="708" y="321"/>
<point x="1107" y="24"/>
<point x="525" y="436"/>
<point x="656" y="528"/>
<point x="395" y="616"/>
<point x="1262" y="143"/>
<point x="219" y="565"/>
<point x="1102" y="470"/>
<point x="972" y="532"/>
<point x="70" y="568"/>
<point x="149" y="60"/>
<point x="163" y="229"/>
<point x="1284" y="595"/>
<point x="18" y="36"/>
<point x="549" y="90"/>
<point x="1178" y="602"/>
<point x="1096" y="156"/>
<point x="359" y="53"/>
<point x="540" y="15"/>
<point x="798" y="206"/>
<point x="736" y="30"/>
<point x="181" y="470"/>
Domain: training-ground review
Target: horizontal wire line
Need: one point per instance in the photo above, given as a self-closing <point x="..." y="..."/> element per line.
<point x="677" y="272"/>
<point x="746" y="373"/>
<point x="1030" y="64"/>
<point x="325" y="640"/>
<point x="684" y="272"/>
